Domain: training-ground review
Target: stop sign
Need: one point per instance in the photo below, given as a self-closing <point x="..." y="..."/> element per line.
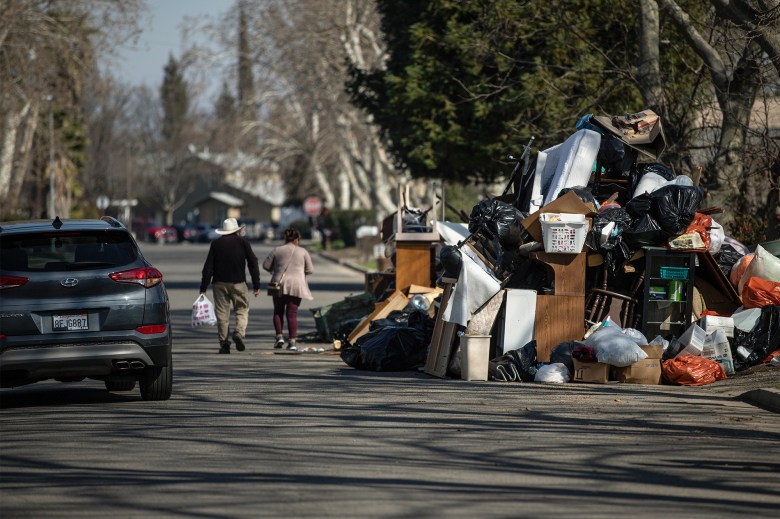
<point x="312" y="206"/>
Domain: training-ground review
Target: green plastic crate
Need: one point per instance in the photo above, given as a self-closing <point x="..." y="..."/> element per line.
<point x="674" y="272"/>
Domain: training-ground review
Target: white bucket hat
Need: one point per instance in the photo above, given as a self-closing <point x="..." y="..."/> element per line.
<point x="229" y="226"/>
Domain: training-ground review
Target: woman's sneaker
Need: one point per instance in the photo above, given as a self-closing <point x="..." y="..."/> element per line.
<point x="292" y="347"/>
<point x="279" y="343"/>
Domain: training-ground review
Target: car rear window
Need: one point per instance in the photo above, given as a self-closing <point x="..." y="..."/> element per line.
<point x="77" y="250"/>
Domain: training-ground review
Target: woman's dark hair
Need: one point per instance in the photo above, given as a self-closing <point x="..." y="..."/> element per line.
<point x="291" y="234"/>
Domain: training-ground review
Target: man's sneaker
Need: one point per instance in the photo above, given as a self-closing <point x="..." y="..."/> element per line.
<point x="240" y="346"/>
<point x="224" y="347"/>
<point x="279" y="343"/>
<point x="292" y="347"/>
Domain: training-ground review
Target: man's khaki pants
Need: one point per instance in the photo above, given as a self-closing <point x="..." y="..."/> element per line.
<point x="225" y="295"/>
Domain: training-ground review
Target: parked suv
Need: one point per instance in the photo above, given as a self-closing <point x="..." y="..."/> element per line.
<point x="78" y="300"/>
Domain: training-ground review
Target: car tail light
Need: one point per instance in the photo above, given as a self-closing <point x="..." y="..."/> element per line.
<point x="147" y="277"/>
<point x="12" y="281"/>
<point x="150" y="329"/>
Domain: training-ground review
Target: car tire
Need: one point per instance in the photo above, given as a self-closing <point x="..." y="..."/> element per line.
<point x="156" y="383"/>
<point x="124" y="384"/>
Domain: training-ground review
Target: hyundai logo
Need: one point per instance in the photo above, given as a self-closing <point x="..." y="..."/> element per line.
<point x="69" y="282"/>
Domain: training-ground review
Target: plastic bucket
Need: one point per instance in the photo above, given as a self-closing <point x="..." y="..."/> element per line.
<point x="474" y="357"/>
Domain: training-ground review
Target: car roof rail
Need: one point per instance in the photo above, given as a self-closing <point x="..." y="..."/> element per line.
<point x="113" y="222"/>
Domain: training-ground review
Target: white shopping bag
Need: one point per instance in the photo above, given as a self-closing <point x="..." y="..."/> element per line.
<point x="203" y="312"/>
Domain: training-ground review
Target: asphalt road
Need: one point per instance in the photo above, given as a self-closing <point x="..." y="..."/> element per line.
<point x="256" y="434"/>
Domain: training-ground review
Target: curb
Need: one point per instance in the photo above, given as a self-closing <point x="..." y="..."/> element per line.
<point x="767" y="399"/>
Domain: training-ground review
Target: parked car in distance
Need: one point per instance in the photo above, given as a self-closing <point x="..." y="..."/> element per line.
<point x="78" y="300"/>
<point x="162" y="234"/>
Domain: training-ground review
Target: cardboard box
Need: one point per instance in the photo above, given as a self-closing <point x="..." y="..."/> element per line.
<point x="568" y="203"/>
<point x="717" y="348"/>
<point x="654" y="351"/>
<point x="643" y="131"/>
<point x="710" y="323"/>
<point x="591" y="372"/>
<point x="646" y="371"/>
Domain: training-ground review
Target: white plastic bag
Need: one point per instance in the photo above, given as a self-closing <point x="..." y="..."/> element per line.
<point x="615" y="348"/>
<point x="556" y="373"/>
<point x="765" y="265"/>
<point x="203" y="312"/>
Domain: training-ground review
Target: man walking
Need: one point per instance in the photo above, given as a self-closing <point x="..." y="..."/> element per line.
<point x="225" y="267"/>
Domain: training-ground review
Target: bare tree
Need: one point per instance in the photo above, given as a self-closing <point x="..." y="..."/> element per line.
<point x="738" y="45"/>
<point x="307" y="127"/>
<point x="47" y="50"/>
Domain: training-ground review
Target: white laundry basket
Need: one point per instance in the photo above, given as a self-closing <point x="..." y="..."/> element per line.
<point x="563" y="233"/>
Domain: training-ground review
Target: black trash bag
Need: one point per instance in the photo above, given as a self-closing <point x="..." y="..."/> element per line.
<point x="515" y="365"/>
<point x="581" y="191"/>
<point x="727" y="257"/>
<point x="388" y="349"/>
<point x="563" y="353"/>
<point x="397" y="318"/>
<point x="653" y="167"/>
<point x="345" y="329"/>
<point x="615" y="251"/>
<point x="352" y="357"/>
<point x="615" y="156"/>
<point x="451" y="259"/>
<point x="645" y="232"/>
<point x="751" y="348"/>
<point x="640" y="205"/>
<point x="674" y="207"/>
<point x="504" y="368"/>
<point x="499" y="219"/>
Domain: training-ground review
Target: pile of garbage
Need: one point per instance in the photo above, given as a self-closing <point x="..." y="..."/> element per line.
<point x="605" y="193"/>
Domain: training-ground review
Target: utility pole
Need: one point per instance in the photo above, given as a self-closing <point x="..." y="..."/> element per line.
<point x="52" y="185"/>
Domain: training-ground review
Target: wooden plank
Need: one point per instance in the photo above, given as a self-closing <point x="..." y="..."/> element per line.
<point x="397" y="301"/>
<point x="443" y="333"/>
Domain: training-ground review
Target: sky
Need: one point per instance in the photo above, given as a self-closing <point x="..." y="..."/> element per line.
<point x="143" y="62"/>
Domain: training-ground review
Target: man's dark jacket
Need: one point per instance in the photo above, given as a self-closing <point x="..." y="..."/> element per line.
<point x="228" y="258"/>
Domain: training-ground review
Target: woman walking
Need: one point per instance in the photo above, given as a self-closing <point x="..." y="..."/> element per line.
<point x="289" y="264"/>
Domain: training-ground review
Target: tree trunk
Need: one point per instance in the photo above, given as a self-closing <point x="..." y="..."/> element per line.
<point x="649" y="69"/>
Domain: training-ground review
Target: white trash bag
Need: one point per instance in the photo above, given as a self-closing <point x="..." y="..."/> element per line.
<point x="203" y="312"/>
<point x="556" y="373"/>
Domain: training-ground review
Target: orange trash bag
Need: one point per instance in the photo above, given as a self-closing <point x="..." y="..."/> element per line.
<point x="691" y="370"/>
<point x="760" y="292"/>
<point x="740" y="267"/>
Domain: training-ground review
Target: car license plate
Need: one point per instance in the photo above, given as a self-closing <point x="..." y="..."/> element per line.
<point x="70" y="323"/>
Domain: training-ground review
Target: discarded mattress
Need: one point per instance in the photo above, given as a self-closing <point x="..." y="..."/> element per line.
<point x="565" y="165"/>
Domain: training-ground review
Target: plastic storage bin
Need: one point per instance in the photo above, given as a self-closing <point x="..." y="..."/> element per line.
<point x="674" y="272"/>
<point x="563" y="233"/>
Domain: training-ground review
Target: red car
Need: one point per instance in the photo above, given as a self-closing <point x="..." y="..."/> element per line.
<point x="161" y="234"/>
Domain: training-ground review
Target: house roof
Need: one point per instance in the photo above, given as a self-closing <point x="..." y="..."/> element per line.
<point x="225" y="198"/>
